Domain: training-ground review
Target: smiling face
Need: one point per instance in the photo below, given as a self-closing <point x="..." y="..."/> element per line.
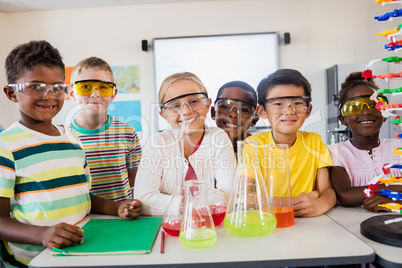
<point x="233" y="123"/>
<point x="288" y="122"/>
<point x="34" y="111"/>
<point x="94" y="104"/>
<point x="190" y="121"/>
<point x="367" y="123"/>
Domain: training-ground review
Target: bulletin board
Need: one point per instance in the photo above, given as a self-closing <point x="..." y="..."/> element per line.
<point x="216" y="60"/>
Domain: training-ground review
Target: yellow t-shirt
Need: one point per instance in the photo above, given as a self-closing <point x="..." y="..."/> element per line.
<point x="306" y="156"/>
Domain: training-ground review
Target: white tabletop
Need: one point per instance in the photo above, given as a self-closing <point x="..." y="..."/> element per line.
<point x="350" y="218"/>
<point x="311" y="241"/>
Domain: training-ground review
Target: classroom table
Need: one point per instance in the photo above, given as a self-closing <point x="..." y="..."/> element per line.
<point x="350" y="218"/>
<point x="311" y="241"/>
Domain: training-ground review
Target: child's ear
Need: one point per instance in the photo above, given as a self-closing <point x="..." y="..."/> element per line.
<point x="10" y="93"/>
<point x="342" y="120"/>
<point x="261" y="112"/>
<point x="71" y="94"/>
<point x="213" y="112"/>
<point x="209" y="103"/>
<point x="161" y="114"/>
<point x="115" y="93"/>
<point x="309" y="110"/>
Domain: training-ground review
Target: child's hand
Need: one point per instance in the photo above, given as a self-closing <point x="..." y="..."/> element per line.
<point x="130" y="209"/>
<point x="372" y="202"/>
<point x="61" y="235"/>
<point x="306" y="205"/>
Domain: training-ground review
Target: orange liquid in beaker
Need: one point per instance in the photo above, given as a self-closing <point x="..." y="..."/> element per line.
<point x="285" y="216"/>
<point x="172" y="227"/>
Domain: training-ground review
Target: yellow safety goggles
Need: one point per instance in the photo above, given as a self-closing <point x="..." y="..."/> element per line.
<point x="355" y="105"/>
<point x="87" y="87"/>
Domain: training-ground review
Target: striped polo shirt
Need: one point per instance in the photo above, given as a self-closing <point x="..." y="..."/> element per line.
<point x="111" y="150"/>
<point x="47" y="180"/>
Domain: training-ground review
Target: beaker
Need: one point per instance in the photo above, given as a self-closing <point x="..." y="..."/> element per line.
<point x="217" y="205"/>
<point x="197" y="228"/>
<point x="249" y="211"/>
<point x="276" y="166"/>
<point x="172" y="217"/>
<point x="217" y="199"/>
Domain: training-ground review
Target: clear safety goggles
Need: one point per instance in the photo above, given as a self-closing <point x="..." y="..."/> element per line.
<point x="279" y="105"/>
<point x="194" y="101"/>
<point x="226" y="106"/>
<point x="38" y="91"/>
<point x="87" y="87"/>
<point x="355" y="105"/>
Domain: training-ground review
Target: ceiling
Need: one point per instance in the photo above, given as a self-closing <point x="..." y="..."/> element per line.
<point x="31" y="5"/>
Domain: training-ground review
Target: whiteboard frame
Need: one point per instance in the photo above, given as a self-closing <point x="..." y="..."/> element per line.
<point x="160" y="123"/>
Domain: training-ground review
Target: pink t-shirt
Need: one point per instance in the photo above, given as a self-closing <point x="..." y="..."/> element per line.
<point x="360" y="166"/>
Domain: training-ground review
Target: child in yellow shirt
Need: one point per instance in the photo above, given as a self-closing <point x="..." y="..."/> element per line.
<point x="284" y="99"/>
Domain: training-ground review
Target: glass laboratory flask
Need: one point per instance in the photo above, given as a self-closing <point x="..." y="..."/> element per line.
<point x="276" y="166"/>
<point x="249" y="211"/>
<point x="172" y="217"/>
<point x="217" y="205"/>
<point x="197" y="228"/>
<point x="217" y="199"/>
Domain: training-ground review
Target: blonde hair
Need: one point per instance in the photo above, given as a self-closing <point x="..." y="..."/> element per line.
<point x="91" y="63"/>
<point x="171" y="79"/>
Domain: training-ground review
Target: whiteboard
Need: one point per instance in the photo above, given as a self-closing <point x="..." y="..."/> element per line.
<point x="216" y="60"/>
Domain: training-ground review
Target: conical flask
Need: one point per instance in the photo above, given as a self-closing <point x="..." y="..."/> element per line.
<point x="217" y="199"/>
<point x="172" y="217"/>
<point x="197" y="228"/>
<point x="249" y="211"/>
<point x="276" y="166"/>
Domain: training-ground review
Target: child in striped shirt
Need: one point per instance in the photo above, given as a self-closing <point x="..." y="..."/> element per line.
<point x="112" y="147"/>
<point x="44" y="177"/>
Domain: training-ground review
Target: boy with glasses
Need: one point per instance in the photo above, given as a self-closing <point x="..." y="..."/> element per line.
<point x="44" y="177"/>
<point x="112" y="147"/>
<point x="234" y="110"/>
<point x="284" y="99"/>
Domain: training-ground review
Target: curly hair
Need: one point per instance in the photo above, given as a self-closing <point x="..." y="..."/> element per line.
<point x="282" y="77"/>
<point x="352" y="81"/>
<point x="29" y="55"/>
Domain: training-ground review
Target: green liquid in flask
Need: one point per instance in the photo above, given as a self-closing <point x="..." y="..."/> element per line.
<point x="200" y="238"/>
<point x="250" y="224"/>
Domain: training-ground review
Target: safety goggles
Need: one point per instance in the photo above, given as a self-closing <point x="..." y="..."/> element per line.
<point x="38" y="91"/>
<point x="194" y="101"/>
<point x="87" y="87"/>
<point x="225" y="106"/>
<point x="355" y="105"/>
<point x="279" y="105"/>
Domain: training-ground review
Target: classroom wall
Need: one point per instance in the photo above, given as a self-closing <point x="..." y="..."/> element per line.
<point x="323" y="33"/>
<point x="5" y="107"/>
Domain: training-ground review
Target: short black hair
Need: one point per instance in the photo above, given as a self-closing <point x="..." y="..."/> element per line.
<point x="282" y="77"/>
<point x="242" y="85"/>
<point x="354" y="80"/>
<point x="29" y="55"/>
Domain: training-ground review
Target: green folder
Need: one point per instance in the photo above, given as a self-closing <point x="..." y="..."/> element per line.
<point x="115" y="237"/>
